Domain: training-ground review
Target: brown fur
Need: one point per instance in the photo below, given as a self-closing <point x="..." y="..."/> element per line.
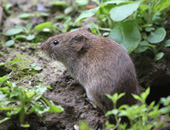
<point x="100" y="64"/>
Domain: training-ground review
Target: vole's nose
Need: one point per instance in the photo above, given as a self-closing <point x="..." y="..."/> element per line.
<point x="41" y="48"/>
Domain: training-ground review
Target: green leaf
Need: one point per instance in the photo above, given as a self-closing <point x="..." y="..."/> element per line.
<point x="5" y="119"/>
<point x="37" y="68"/>
<point x="82" y="2"/>
<point x="20" y="37"/>
<point x="25" y="125"/>
<point x="5" y="90"/>
<point x="143" y="46"/>
<point x="167" y="43"/>
<point x="58" y="3"/>
<point x="30" y="37"/>
<point x="30" y="94"/>
<point x="84" y="126"/>
<point x="127" y="35"/>
<point x="159" y="56"/>
<point x="137" y="97"/>
<point x="119" y="13"/>
<point x="144" y="95"/>
<point x="9" y="43"/>
<point x="25" y="15"/>
<point x="3" y="79"/>
<point x="39" y="90"/>
<point x="42" y="26"/>
<point x="11" y="62"/>
<point x="53" y="108"/>
<point x="13" y="31"/>
<point x="161" y="5"/>
<point x="44" y="14"/>
<point x="68" y="10"/>
<point x="7" y="6"/>
<point x="86" y="14"/>
<point x="157" y="36"/>
<point x="94" y="28"/>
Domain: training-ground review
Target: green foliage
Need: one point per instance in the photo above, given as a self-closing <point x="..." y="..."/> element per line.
<point x="15" y="34"/>
<point x="11" y="62"/>
<point x="35" y="67"/>
<point x="35" y="14"/>
<point x="58" y="3"/>
<point x="136" y="25"/>
<point x="24" y="101"/>
<point x="121" y="12"/>
<point x="7" y="6"/>
<point x="141" y="116"/>
<point x="84" y="126"/>
<point x="126" y="33"/>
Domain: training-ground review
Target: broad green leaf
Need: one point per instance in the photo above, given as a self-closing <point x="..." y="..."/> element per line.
<point x="82" y="2"/>
<point x="30" y="37"/>
<point x="37" y="68"/>
<point x="9" y="43"/>
<point x="119" y="13"/>
<point x="25" y="15"/>
<point x="143" y="46"/>
<point x="58" y="3"/>
<point x="11" y="62"/>
<point x="13" y="31"/>
<point x="86" y="14"/>
<point x="127" y="35"/>
<point x="159" y="56"/>
<point x="167" y="43"/>
<point x="20" y="37"/>
<point x="41" y="26"/>
<point x="157" y="36"/>
<point x="161" y="5"/>
<point x="68" y="10"/>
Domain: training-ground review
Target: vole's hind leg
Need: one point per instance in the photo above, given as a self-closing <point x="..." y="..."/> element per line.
<point x="91" y="99"/>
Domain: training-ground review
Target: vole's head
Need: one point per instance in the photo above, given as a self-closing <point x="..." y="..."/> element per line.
<point x="66" y="46"/>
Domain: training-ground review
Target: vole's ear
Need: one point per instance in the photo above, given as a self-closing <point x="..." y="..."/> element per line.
<point x="78" y="42"/>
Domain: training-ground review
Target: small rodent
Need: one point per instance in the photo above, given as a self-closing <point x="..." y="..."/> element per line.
<point x="100" y="65"/>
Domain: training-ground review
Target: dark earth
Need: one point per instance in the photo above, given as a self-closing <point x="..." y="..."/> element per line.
<point x="66" y="91"/>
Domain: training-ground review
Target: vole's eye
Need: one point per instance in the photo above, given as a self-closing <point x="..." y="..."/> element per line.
<point x="55" y="42"/>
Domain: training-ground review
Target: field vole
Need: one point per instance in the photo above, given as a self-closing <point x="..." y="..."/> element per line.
<point x="100" y="65"/>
